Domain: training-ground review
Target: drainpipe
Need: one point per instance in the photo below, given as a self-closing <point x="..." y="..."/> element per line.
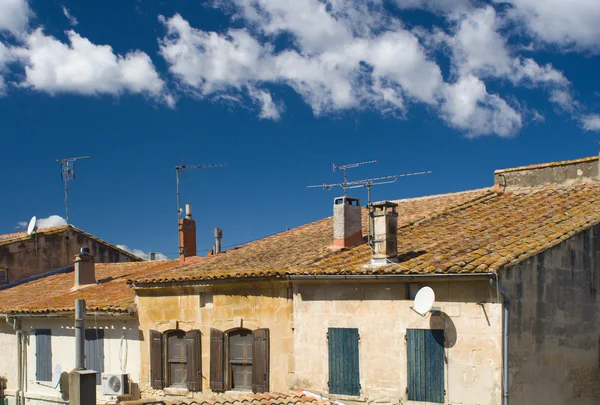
<point x="21" y="347"/>
<point x="505" y="329"/>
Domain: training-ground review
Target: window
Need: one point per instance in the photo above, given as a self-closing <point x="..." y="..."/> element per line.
<point x="43" y="355"/>
<point x="239" y="360"/>
<point x="175" y="359"/>
<point x="425" y="364"/>
<point x="344" y="377"/>
<point x="94" y="352"/>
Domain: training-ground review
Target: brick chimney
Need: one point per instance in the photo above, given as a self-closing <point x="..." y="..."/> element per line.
<point x="187" y="235"/>
<point x="347" y="222"/>
<point x="385" y="233"/>
<point x="85" y="273"/>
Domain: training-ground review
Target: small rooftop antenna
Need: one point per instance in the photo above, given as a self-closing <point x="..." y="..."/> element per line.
<point x="368" y="183"/>
<point x="68" y="173"/>
<point x="349" y="166"/>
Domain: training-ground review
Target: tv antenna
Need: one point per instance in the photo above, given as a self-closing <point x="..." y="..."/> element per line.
<point x="349" y="166"/>
<point x="368" y="183"/>
<point x="68" y="173"/>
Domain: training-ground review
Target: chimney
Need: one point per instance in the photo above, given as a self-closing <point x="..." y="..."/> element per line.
<point x="347" y="222"/>
<point x="218" y="237"/>
<point x="385" y="232"/>
<point x="152" y="256"/>
<point x="187" y="235"/>
<point x="84" y="269"/>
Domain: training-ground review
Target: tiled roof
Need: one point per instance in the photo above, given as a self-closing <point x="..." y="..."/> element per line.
<point x="269" y="398"/>
<point x="543" y="165"/>
<point x="9" y="238"/>
<point x="299" y="248"/>
<point x="51" y="294"/>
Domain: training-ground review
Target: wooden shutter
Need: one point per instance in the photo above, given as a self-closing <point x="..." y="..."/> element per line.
<point x="260" y="360"/>
<point x="425" y="365"/>
<point x="156" y="357"/>
<point x="194" y="364"/>
<point x="43" y="355"/>
<point x="216" y="360"/>
<point x="344" y="376"/>
<point x="94" y="352"/>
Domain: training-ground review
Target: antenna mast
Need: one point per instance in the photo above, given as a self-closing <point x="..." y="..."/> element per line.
<point x="68" y="173"/>
<point x="349" y="166"/>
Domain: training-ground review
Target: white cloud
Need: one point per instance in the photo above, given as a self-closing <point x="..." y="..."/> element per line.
<point x="86" y="68"/>
<point x="72" y="20"/>
<point x="268" y="109"/>
<point x="591" y="122"/>
<point x="14" y="16"/>
<point x="5" y="58"/>
<point x="43" y="223"/>
<point x="571" y="25"/>
<point x="141" y="254"/>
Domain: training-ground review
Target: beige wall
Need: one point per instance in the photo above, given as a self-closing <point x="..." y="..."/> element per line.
<point x="382" y="314"/>
<point x="224" y="307"/>
<point x="63" y="353"/>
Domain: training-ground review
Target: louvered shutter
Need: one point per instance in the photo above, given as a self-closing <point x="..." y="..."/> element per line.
<point x="260" y="360"/>
<point x="43" y="355"/>
<point x="216" y="360"/>
<point x="94" y="352"/>
<point x="425" y="365"/>
<point x="194" y="365"/>
<point x="156" y="359"/>
<point x="344" y="376"/>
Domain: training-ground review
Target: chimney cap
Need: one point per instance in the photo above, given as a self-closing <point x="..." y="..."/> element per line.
<point x="84" y="250"/>
<point x="346" y="200"/>
<point x="384" y="203"/>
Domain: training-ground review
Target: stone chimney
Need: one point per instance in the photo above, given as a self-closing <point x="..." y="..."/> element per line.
<point x="347" y="222"/>
<point x="85" y="273"/>
<point x="218" y="237"/>
<point x="187" y="235"/>
<point x="385" y="233"/>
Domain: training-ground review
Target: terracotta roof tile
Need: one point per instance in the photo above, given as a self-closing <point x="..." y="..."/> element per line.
<point x="270" y="398"/>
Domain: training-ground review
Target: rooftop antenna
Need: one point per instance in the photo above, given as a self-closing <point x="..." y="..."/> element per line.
<point x="368" y="183"/>
<point x="349" y="166"/>
<point x="68" y="173"/>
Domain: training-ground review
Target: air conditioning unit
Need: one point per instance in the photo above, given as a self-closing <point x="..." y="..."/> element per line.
<point x="116" y="384"/>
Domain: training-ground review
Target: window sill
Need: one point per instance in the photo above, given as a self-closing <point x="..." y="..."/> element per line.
<point x="175" y="391"/>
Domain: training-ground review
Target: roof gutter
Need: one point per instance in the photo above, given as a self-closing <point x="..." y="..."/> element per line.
<point x="67" y="315"/>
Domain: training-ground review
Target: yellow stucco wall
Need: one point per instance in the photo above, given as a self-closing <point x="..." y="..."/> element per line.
<point x="224" y="307"/>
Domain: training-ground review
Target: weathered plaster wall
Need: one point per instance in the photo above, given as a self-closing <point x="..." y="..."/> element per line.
<point x="63" y="353"/>
<point x="224" y="307"/>
<point x="555" y="324"/>
<point x="54" y="251"/>
<point x="469" y="314"/>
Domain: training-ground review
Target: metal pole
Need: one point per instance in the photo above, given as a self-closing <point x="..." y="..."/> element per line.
<point x="67" y="199"/>
<point x="80" y="334"/>
<point x="179" y="247"/>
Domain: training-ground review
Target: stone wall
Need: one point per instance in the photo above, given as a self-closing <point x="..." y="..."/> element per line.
<point x="470" y="316"/>
<point x="224" y="307"/>
<point x="31" y="257"/>
<point x="555" y="324"/>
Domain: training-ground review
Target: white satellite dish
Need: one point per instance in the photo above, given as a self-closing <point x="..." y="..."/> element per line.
<point x="424" y="300"/>
<point x="32" y="225"/>
<point x="56" y="375"/>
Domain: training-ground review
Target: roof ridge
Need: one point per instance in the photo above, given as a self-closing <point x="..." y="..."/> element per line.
<point x="547" y="164"/>
<point x="432" y="196"/>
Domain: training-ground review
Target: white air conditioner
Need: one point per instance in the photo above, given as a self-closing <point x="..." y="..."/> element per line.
<point x="116" y="384"/>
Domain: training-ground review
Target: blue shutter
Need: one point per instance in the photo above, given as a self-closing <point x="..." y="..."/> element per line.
<point x="425" y="365"/>
<point x="344" y="377"/>
<point x="94" y="352"/>
<point x="43" y="355"/>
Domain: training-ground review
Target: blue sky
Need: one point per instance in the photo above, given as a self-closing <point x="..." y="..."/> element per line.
<point x="279" y="91"/>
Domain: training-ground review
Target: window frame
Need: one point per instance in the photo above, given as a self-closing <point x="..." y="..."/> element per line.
<point x="43" y="365"/>
<point x="168" y="383"/>
<point x="229" y="362"/>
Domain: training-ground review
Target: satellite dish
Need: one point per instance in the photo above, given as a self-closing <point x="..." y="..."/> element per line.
<point x="56" y="375"/>
<point x="424" y="300"/>
<point x="32" y="225"/>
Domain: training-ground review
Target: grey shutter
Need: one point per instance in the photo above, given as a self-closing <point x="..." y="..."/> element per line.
<point x="43" y="355"/>
<point x="260" y="360"/>
<point x="216" y="360"/>
<point x="94" y="352"/>
<point x="194" y="364"/>
<point x="425" y="365"/>
<point x="156" y="357"/>
<point x="344" y="375"/>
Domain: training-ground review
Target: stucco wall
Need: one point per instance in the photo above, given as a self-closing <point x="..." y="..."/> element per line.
<point x="224" y="307"/>
<point x="63" y="353"/>
<point x="54" y="251"/>
<point x="470" y="316"/>
<point x="555" y="324"/>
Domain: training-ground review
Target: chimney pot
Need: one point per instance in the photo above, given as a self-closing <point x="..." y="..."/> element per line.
<point x="384" y="217"/>
<point x="218" y="237"/>
<point x="85" y="273"/>
<point x="188" y="211"/>
<point x="347" y="222"/>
